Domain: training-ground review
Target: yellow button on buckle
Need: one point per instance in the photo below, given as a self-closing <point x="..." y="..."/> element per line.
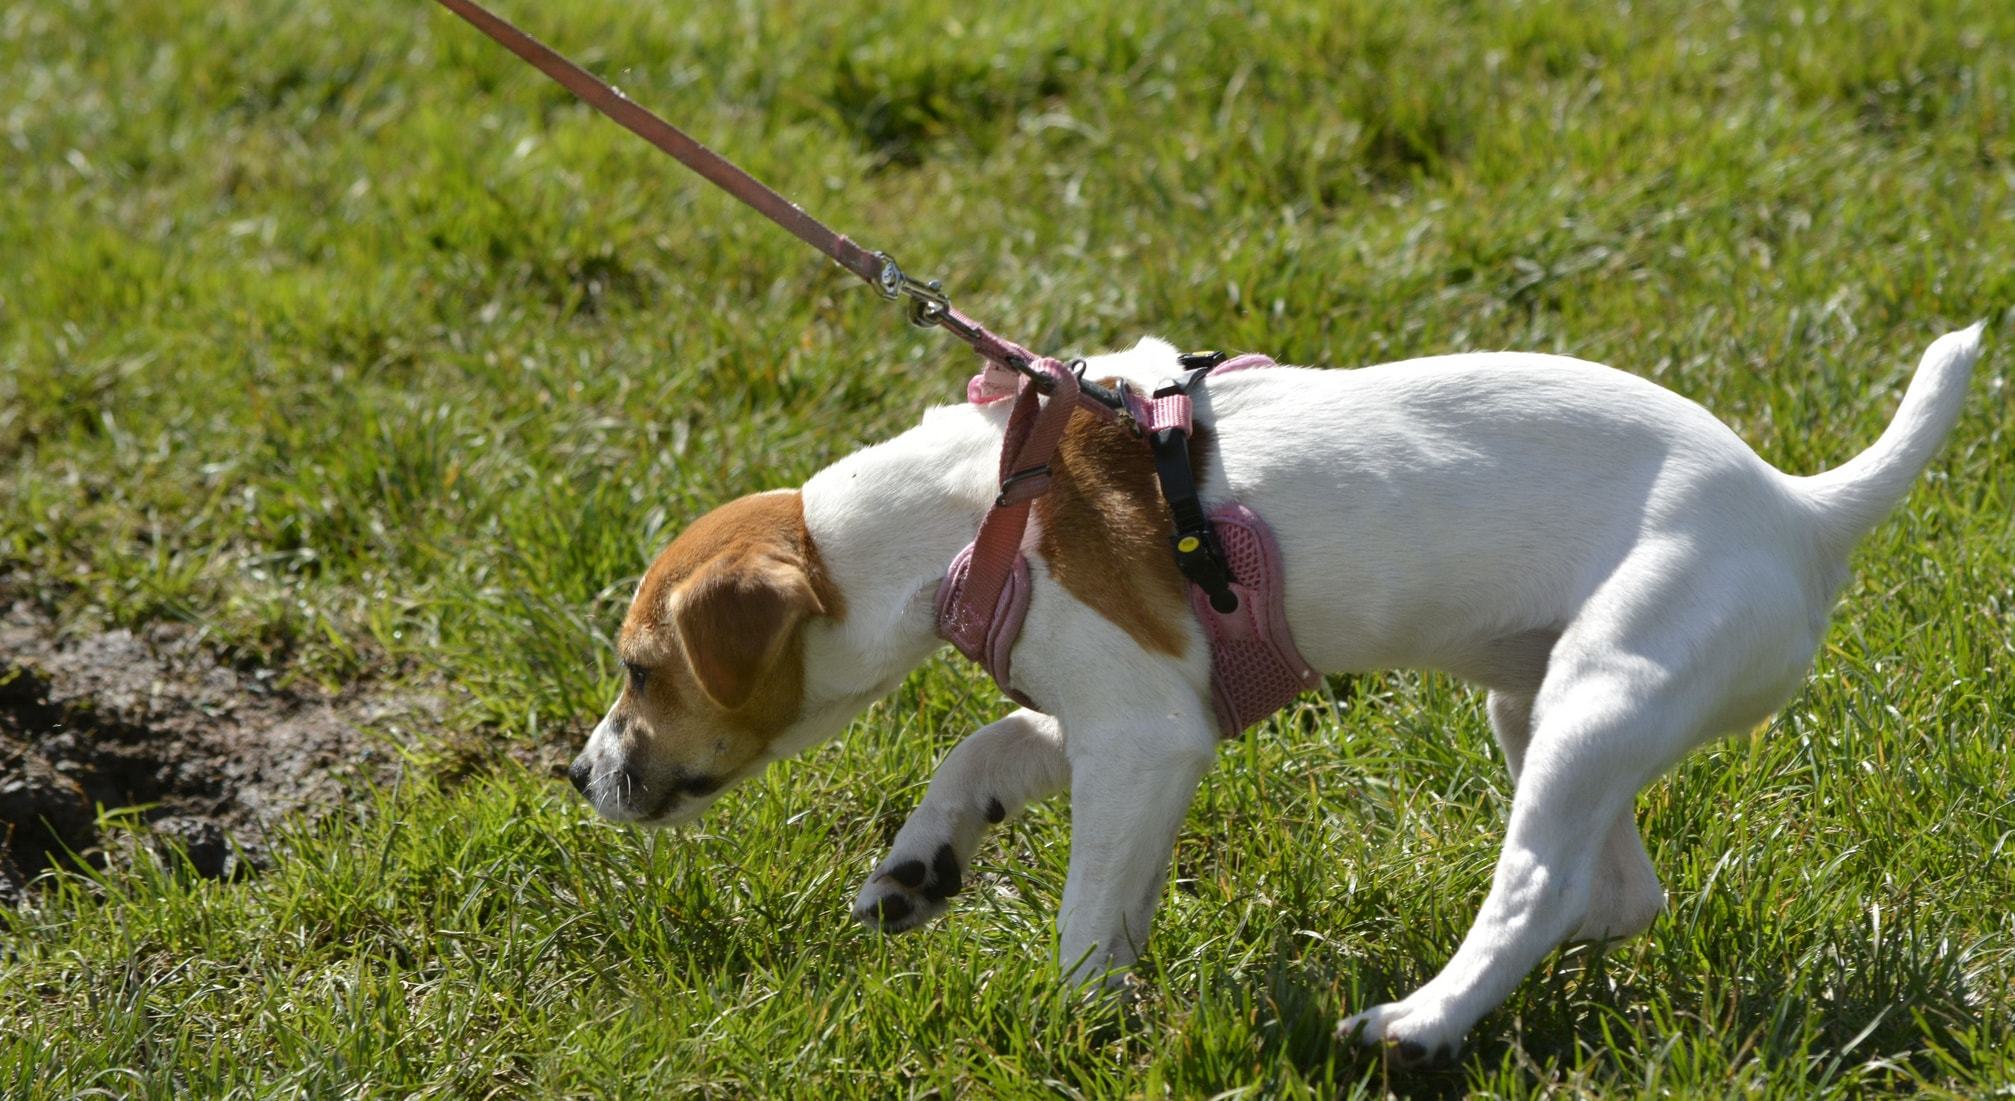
<point x="1189" y="544"/>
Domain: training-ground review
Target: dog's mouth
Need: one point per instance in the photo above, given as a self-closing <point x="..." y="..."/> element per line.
<point x="675" y="800"/>
<point x="682" y="798"/>
<point x="679" y="814"/>
<point x="623" y="794"/>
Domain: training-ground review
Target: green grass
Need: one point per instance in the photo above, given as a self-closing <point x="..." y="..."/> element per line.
<point x="335" y="330"/>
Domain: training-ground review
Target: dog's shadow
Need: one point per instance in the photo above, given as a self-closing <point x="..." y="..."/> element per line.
<point x="1878" y="1009"/>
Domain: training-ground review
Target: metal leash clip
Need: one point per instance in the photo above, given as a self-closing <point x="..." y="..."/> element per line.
<point x="931" y="307"/>
<point x="928" y="302"/>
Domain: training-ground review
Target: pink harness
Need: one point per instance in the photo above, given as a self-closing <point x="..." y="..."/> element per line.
<point x="1255" y="669"/>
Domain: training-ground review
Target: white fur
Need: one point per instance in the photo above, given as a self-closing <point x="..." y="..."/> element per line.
<point x="1624" y="575"/>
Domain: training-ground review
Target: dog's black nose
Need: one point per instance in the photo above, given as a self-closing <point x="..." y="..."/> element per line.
<point x="580" y="774"/>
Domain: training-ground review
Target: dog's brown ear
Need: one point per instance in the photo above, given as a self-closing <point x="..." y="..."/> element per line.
<point x="736" y="620"/>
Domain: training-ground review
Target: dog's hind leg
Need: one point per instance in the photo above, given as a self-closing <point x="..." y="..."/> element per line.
<point x="1694" y="639"/>
<point x="998" y="770"/>
<point x="1578" y="774"/>
<point x="1625" y="896"/>
<point x="1511" y="721"/>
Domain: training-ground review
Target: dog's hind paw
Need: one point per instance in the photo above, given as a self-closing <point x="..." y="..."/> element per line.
<point x="1416" y="1035"/>
<point x="906" y="892"/>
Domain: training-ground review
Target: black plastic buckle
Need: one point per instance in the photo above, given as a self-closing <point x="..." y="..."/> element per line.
<point x="1019" y="476"/>
<point x="1201" y="361"/>
<point x="1200" y="557"/>
<point x="1111" y="399"/>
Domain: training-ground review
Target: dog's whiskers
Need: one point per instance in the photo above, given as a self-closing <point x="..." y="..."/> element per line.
<point x="598" y="785"/>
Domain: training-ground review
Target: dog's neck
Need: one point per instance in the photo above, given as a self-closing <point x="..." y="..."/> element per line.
<point x="886" y="522"/>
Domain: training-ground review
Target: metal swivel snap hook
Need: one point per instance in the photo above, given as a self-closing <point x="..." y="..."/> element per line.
<point x="928" y="301"/>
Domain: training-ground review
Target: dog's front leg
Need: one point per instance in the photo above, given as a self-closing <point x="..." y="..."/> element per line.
<point x="1001" y="768"/>
<point x="1131" y="784"/>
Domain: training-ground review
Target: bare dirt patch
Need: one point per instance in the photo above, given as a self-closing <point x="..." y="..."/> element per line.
<point x="210" y="757"/>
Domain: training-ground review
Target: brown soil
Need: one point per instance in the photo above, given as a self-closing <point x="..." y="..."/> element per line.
<point x="212" y="757"/>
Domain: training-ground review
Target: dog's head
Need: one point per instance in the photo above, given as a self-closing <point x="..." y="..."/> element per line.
<point x="713" y="646"/>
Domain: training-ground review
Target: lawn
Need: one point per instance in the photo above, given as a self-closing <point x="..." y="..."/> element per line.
<point x="336" y="337"/>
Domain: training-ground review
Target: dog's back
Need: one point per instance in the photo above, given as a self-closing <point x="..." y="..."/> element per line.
<point x="1430" y="507"/>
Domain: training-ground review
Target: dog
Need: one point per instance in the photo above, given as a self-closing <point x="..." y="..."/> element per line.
<point x="1618" y="571"/>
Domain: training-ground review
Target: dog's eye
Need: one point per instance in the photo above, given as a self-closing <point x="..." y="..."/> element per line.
<point x="637" y="675"/>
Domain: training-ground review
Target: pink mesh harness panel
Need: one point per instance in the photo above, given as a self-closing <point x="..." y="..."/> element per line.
<point x="989" y="636"/>
<point x="1255" y="669"/>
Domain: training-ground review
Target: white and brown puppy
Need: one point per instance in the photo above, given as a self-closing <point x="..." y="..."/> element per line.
<point x="1623" y="575"/>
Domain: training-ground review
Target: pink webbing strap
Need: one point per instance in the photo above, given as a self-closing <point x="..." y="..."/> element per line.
<point x="1176" y="410"/>
<point x="1242" y="362"/>
<point x="985" y="593"/>
<point x="1034" y="429"/>
<point x="995" y="382"/>
<point x="1173" y="411"/>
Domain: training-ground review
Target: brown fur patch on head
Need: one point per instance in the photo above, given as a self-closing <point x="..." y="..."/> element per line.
<point x="715" y="639"/>
<point x="761" y="523"/>
<point x="734" y="620"/>
<point x="1105" y="532"/>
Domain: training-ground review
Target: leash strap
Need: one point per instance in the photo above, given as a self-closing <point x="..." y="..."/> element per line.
<point x="718" y="170"/>
<point x="928" y="304"/>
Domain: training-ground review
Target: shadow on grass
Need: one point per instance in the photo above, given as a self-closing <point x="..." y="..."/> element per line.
<point x="1857" y="1011"/>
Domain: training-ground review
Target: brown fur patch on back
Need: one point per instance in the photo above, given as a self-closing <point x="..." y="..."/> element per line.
<point x="1105" y="533"/>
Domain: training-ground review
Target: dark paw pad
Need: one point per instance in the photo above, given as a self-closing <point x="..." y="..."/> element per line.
<point x="907" y="893"/>
<point x="909" y="873"/>
<point x="891" y="909"/>
<point x="1413" y="1053"/>
<point x="946" y="879"/>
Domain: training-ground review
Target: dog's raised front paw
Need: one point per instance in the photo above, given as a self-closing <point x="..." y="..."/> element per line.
<point x="906" y="891"/>
<point x="1418" y="1034"/>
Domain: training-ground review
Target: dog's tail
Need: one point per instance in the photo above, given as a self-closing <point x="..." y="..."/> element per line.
<point x="1852" y="498"/>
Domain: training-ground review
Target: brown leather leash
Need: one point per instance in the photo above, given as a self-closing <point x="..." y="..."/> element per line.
<point x="928" y="304"/>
